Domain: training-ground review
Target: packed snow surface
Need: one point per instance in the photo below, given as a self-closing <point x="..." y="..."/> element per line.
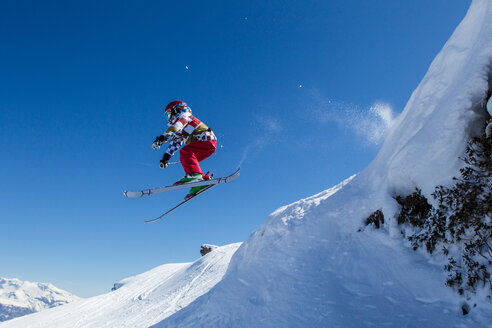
<point x="312" y="263"/>
<point x="139" y="301"/>
<point x="19" y="298"/>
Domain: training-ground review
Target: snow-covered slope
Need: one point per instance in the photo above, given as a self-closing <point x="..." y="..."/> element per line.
<point x="307" y="266"/>
<point x="18" y="298"/>
<point x="139" y="301"/>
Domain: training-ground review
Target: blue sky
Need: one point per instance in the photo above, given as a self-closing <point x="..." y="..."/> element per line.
<point x="287" y="86"/>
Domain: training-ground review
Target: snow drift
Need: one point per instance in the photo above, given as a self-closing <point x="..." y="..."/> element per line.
<point x="308" y="265"/>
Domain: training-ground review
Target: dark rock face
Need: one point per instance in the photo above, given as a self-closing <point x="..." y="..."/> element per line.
<point x="206" y="248"/>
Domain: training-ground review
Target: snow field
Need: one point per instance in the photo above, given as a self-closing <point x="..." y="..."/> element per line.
<point x="140" y="301"/>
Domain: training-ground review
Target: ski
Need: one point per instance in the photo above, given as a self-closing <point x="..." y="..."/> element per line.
<point x="182" y="203"/>
<point x="152" y="191"/>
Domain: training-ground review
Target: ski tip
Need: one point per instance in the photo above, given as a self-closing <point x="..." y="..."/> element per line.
<point x="235" y="175"/>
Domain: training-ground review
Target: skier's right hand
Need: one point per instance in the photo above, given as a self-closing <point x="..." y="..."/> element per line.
<point x="164" y="161"/>
<point x="158" y="142"/>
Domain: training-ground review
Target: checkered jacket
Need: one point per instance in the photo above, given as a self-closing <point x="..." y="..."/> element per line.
<point x="185" y="129"/>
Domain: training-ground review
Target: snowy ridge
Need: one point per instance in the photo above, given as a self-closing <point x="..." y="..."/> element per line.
<point x="307" y="266"/>
<point x="138" y="301"/>
<point x="437" y="120"/>
<point x="313" y="273"/>
<point x="18" y="297"/>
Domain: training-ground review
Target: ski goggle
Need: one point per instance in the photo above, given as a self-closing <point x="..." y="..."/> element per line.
<point x="168" y="115"/>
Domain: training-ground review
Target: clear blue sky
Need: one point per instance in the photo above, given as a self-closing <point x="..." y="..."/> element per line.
<point x="286" y="85"/>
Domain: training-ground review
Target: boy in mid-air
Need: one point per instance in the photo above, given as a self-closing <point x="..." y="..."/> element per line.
<point x="200" y="142"/>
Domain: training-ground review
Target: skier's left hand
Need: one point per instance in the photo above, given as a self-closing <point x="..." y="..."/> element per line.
<point x="158" y="142"/>
<point x="156" y="145"/>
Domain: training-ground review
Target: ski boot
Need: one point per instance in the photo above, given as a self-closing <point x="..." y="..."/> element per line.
<point x="194" y="190"/>
<point x="193" y="177"/>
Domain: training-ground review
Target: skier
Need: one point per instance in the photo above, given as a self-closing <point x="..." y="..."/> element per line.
<point x="200" y="142"/>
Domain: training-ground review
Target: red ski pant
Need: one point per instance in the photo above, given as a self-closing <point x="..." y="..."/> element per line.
<point x="196" y="152"/>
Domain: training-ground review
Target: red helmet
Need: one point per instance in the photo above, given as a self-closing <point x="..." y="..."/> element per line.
<point x="174" y="108"/>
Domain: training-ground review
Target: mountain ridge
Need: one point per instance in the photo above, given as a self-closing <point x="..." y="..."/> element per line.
<point x="18" y="298"/>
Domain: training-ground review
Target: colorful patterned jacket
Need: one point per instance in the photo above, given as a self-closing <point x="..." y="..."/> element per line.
<point x="185" y="129"/>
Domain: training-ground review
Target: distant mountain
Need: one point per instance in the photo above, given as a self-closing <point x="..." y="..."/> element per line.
<point x="18" y="298"/>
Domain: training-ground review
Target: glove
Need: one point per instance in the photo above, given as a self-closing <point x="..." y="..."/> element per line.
<point x="163" y="163"/>
<point x="158" y="142"/>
